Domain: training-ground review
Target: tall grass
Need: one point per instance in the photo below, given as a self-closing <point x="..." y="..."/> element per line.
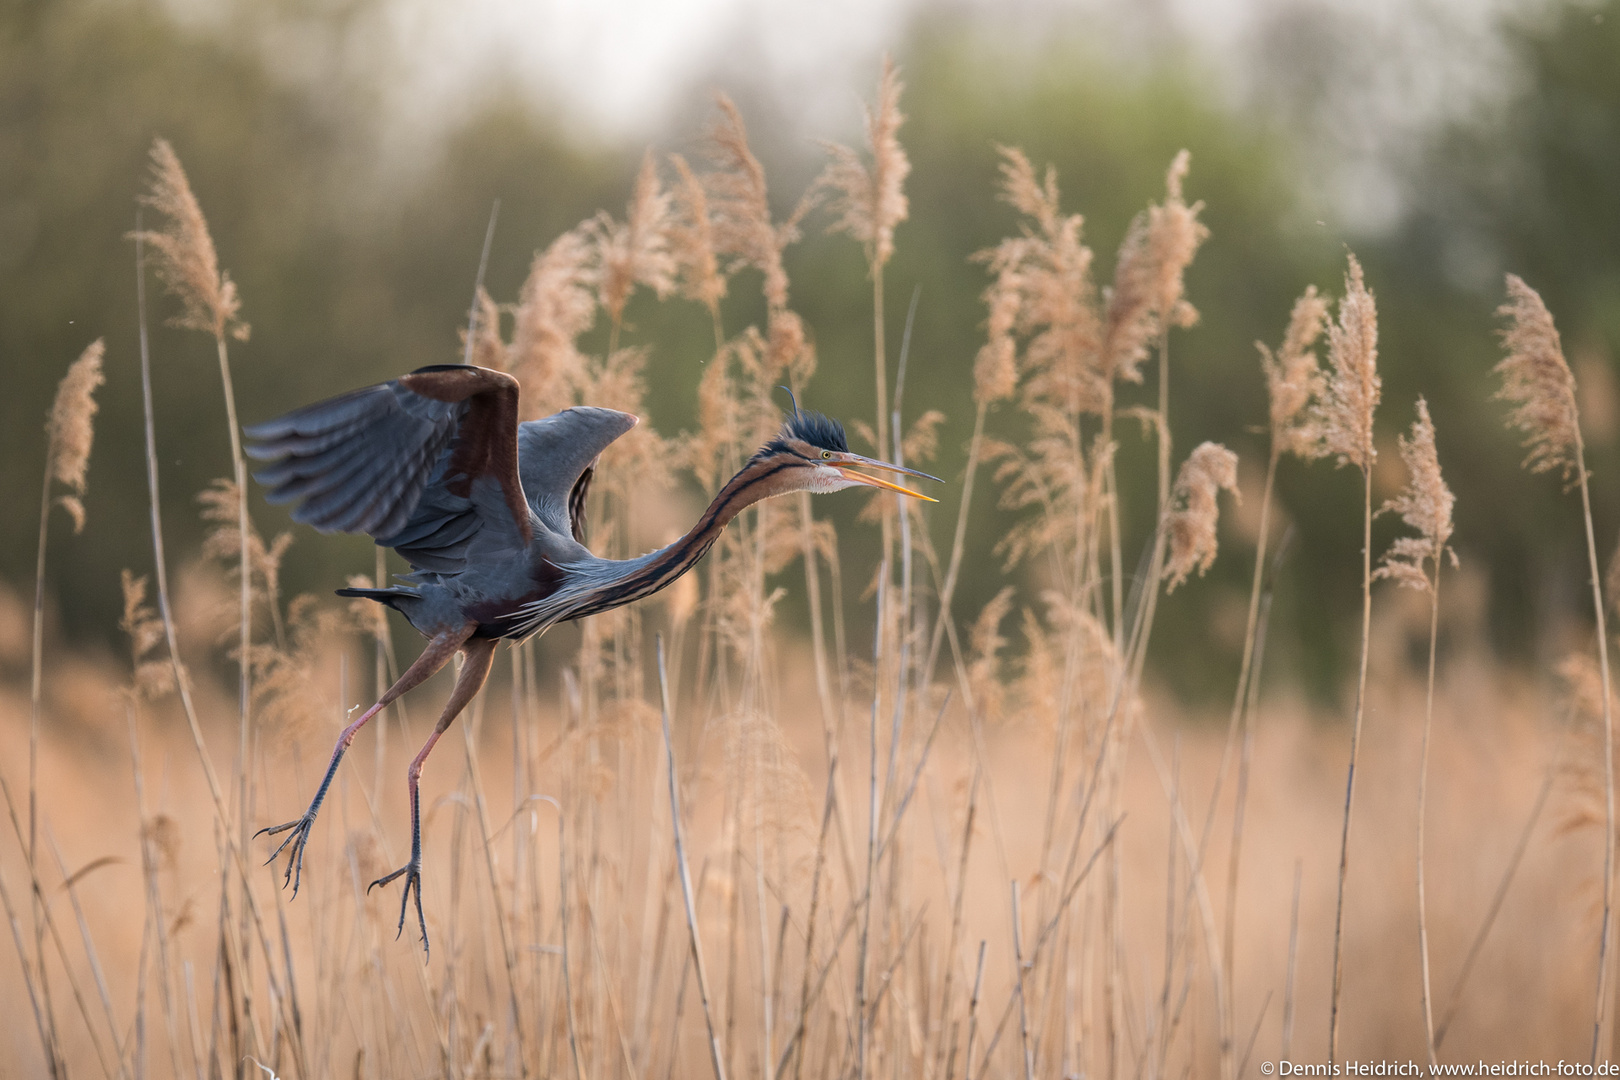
<point x="996" y="870"/>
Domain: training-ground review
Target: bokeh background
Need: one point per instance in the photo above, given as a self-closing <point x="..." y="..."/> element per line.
<point x="347" y="153"/>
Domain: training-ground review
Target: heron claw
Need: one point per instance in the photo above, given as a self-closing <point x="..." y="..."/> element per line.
<point x="412" y="872"/>
<point x="295" y="859"/>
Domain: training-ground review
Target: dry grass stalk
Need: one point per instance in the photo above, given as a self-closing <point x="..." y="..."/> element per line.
<point x="69" y="433"/>
<point x="739" y="207"/>
<point x="870" y="200"/>
<point x="185" y="258"/>
<point x="556" y="304"/>
<point x="1194" y="511"/>
<point x="715" y="1059"/>
<point x="151" y="678"/>
<point x="188" y="265"/>
<point x="635" y="251"/>
<point x="1294" y="379"/>
<point x="1344" y="413"/>
<point x="1147" y="299"/>
<point x="1537" y="380"/>
<point x="1426" y="505"/>
<point x="1044" y="276"/>
<point x="1293" y="382"/>
<point x="691" y="243"/>
<point x="1044" y="290"/>
<point x="71" y="430"/>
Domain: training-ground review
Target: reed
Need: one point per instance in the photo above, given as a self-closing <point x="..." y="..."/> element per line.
<point x="1343" y="414"/>
<point x="743" y="878"/>
<point x="1537" y="380"/>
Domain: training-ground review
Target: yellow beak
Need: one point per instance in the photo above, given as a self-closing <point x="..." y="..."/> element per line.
<point x="873" y="481"/>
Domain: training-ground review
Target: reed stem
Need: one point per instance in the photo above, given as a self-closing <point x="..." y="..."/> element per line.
<point x="1350" y="776"/>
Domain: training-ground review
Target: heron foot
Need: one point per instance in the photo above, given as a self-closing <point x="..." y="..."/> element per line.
<point x="298" y="839"/>
<point x="412" y="872"/>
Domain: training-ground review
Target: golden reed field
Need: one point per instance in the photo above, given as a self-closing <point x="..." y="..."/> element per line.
<point x="689" y="842"/>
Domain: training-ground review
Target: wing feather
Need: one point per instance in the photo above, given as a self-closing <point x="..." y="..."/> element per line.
<point x="557" y="457"/>
<point x="401" y="461"/>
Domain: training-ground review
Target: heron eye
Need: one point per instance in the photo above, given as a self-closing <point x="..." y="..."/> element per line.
<point x="826" y="453"/>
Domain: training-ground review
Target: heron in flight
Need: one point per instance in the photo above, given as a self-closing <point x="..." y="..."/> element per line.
<point x="490" y="514"/>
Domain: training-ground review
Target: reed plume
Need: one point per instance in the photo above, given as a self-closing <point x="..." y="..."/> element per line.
<point x="1194" y="511"/>
<point x="188" y="265"/>
<point x="1344" y="409"/>
<point x="1344" y="415"/>
<point x="70" y="430"/>
<point x="691" y="243"/>
<point x="69" y="434"/>
<point x="1293" y="382"/>
<point x="984" y="647"/>
<point x="1425" y="504"/>
<point x="739" y="206"/>
<point x="1294" y="379"/>
<point x="1536" y="379"/>
<point x="870" y="200"/>
<point x="185" y="260"/>
<point x="150" y="678"/>
<point x="1148" y="295"/>
<point x="1043" y="291"/>
<point x="635" y="251"/>
<point x="556" y="304"/>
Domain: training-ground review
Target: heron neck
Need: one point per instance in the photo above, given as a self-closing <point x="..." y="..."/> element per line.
<point x="614" y="583"/>
<point x="757" y="481"/>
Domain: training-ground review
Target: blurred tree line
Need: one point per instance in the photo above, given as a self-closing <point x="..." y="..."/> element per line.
<point x="355" y="265"/>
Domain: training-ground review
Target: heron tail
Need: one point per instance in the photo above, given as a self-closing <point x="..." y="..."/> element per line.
<point x="391" y="597"/>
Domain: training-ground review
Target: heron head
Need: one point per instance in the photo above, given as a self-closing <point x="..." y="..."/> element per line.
<point x="818" y="458"/>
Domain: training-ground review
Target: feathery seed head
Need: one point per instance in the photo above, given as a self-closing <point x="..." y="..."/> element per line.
<point x="185" y="257"/>
<point x="1425" y="505"/>
<point x="555" y="306"/>
<point x="870" y="202"/>
<point x="1194" y="512"/>
<point x="70" y="429"/>
<point x="1043" y="288"/>
<point x="1147" y="297"/>
<point x="1344" y="410"/>
<point x="691" y="240"/>
<point x="739" y="210"/>
<point x="635" y="251"/>
<point x="1294" y="378"/>
<point x="1537" y="380"/>
<point x="152" y="677"/>
<point x="985" y="645"/>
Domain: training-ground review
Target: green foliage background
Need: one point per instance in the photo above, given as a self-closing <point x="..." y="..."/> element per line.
<point x="355" y="266"/>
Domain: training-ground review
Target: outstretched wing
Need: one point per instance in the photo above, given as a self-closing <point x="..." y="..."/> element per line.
<point x="557" y="458"/>
<point x="423" y="463"/>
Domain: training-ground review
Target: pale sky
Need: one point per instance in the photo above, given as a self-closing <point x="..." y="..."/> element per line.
<point x="618" y="68"/>
<point x="618" y="63"/>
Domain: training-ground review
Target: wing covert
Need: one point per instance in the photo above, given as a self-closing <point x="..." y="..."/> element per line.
<point x="557" y="458"/>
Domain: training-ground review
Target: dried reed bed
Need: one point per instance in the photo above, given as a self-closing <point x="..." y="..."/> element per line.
<point x="368" y="1001"/>
<point x="979" y="845"/>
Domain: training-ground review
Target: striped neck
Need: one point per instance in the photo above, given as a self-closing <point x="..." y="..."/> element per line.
<point x="632" y="579"/>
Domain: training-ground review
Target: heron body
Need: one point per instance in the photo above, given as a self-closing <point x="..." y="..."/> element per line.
<point x="490" y="514"/>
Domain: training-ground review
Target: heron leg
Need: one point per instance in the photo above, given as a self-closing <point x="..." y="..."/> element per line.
<point x="438" y="653"/>
<point x="480" y="656"/>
